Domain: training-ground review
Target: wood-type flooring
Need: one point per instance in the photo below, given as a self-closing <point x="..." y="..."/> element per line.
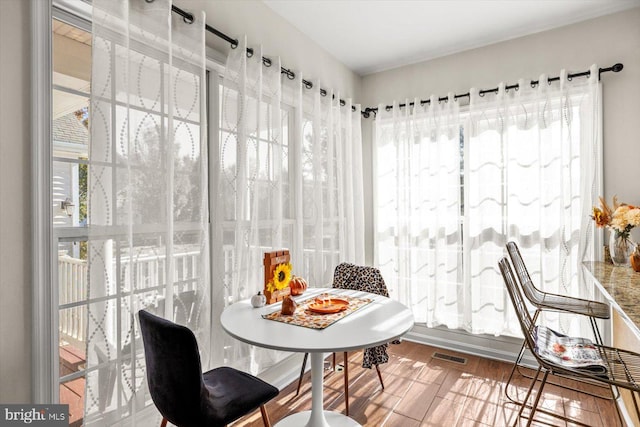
<point x="421" y="391"/>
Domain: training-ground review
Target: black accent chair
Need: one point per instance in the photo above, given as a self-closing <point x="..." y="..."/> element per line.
<point x="182" y="393"/>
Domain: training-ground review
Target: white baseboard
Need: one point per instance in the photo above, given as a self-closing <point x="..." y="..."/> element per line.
<point x="488" y="346"/>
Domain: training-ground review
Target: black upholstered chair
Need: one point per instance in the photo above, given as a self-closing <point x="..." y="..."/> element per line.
<point x="358" y="278"/>
<point x="182" y="393"/>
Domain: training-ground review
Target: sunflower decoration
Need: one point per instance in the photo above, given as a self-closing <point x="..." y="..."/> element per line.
<point x="281" y="277"/>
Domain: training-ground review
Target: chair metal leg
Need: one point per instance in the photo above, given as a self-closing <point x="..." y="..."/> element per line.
<point x="534" y="408"/>
<point x="516" y="363"/>
<point x="635" y="403"/>
<point x="304" y="365"/>
<point x="333" y="364"/>
<point x="346" y="382"/>
<point x="513" y="370"/>
<point x="163" y="423"/>
<point x="596" y="331"/>
<point x="535" y="403"/>
<point x="380" y="376"/>
<point x="517" y="366"/>
<point x="526" y="398"/>
<point x="265" y="416"/>
<point x="614" y="396"/>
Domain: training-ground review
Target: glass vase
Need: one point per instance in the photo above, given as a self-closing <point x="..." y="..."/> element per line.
<point x="620" y="247"/>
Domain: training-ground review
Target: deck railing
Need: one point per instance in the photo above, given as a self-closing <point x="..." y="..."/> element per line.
<point x="148" y="271"/>
<point x="72" y="288"/>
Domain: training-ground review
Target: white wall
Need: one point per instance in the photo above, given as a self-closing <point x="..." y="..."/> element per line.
<point x="15" y="206"/>
<point x="264" y="27"/>
<point x="604" y="41"/>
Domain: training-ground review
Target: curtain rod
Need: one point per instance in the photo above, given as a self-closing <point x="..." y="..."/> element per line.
<point x="188" y="18"/>
<point x="616" y="68"/>
<point x="366" y="113"/>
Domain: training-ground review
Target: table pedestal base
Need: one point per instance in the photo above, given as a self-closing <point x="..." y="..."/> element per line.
<point x="317" y="416"/>
<point x="333" y="419"/>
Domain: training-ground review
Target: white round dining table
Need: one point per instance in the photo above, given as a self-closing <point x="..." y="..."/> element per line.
<point x="379" y="322"/>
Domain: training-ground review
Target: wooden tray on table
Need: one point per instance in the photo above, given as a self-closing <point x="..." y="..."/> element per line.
<point x="328" y="306"/>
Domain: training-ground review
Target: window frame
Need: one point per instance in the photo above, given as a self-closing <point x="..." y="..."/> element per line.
<point x="43" y="299"/>
<point x="45" y="378"/>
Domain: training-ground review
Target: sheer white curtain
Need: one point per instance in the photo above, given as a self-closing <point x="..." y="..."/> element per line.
<point x="418" y="201"/>
<point x="533" y="159"/>
<point x="529" y="171"/>
<point x="147" y="189"/>
<point x="328" y="181"/>
<point x="287" y="173"/>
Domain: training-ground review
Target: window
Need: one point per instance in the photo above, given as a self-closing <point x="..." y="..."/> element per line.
<point x="454" y="186"/>
<point x="139" y="268"/>
<point x="70" y="151"/>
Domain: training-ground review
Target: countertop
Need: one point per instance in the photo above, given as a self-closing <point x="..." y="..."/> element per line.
<point x="621" y="286"/>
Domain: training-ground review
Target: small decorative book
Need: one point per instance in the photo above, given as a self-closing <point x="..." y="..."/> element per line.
<point x="277" y="274"/>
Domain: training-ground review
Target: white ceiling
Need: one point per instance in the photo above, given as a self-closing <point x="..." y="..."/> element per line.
<point x="371" y="36"/>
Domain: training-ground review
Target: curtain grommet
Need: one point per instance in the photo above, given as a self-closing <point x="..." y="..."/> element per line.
<point x="290" y="74"/>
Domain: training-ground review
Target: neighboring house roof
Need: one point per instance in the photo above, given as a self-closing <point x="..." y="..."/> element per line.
<point x="69" y="129"/>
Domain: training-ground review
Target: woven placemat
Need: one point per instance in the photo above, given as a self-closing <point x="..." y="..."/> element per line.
<point x="309" y="319"/>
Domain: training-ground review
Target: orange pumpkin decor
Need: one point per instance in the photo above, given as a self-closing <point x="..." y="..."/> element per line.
<point x="298" y="285"/>
<point x="288" y="306"/>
